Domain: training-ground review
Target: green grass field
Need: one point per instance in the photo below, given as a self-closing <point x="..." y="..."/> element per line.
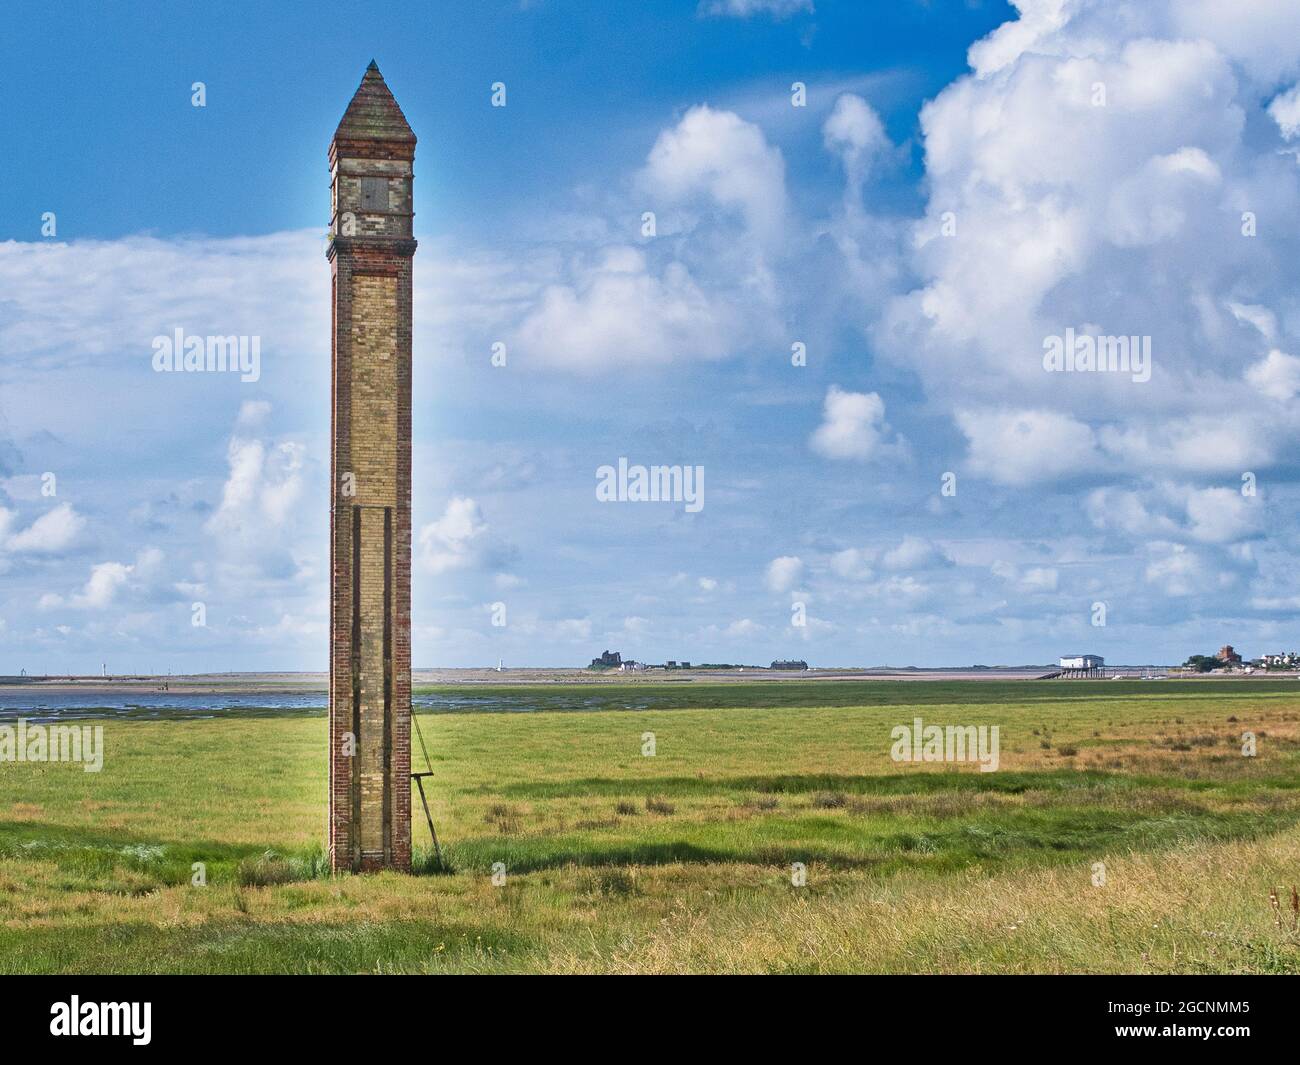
<point x="682" y="862"/>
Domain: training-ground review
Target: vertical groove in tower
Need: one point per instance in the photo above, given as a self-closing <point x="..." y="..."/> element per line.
<point x="371" y="169"/>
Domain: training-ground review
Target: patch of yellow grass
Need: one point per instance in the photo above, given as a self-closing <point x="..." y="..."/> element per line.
<point x="1201" y="909"/>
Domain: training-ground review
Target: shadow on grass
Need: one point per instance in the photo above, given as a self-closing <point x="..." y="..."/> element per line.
<point x="921" y="782"/>
<point x="558" y="852"/>
<point x="884" y="844"/>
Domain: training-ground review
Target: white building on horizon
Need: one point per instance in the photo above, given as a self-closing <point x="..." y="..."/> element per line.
<point x="1082" y="662"/>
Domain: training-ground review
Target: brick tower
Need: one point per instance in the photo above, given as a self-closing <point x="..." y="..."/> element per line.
<point x="370" y="257"/>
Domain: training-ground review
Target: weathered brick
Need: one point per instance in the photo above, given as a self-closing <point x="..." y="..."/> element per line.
<point x="370" y="597"/>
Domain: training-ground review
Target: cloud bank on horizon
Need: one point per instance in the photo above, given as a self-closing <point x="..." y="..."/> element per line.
<point x="899" y="469"/>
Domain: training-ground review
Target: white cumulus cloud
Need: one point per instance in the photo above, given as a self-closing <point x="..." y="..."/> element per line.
<point x="1277" y="375"/>
<point x="719" y="157"/>
<point x="615" y="313"/>
<point x="1021" y="447"/>
<point x="784" y="573"/>
<point x="453" y="541"/>
<point x="853" y="426"/>
<point x="52" y="533"/>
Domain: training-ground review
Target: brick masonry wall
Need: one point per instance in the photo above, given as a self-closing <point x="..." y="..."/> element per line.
<point x="369" y="792"/>
<point x="369" y="821"/>
<point x="372" y="441"/>
<point x="374" y="464"/>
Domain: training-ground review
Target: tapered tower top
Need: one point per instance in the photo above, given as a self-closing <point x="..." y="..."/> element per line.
<point x="373" y="123"/>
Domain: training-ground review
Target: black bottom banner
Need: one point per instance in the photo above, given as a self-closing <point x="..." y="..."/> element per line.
<point x="150" y="1013"/>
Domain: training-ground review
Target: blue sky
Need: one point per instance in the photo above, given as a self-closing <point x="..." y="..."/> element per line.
<point x="965" y="181"/>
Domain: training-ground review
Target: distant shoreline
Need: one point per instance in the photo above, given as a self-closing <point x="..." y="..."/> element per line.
<point x="303" y="683"/>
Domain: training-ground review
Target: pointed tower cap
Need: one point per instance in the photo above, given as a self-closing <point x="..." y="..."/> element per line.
<point x="373" y="114"/>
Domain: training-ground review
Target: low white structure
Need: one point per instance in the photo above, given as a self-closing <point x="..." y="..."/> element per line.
<point x="1082" y="661"/>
